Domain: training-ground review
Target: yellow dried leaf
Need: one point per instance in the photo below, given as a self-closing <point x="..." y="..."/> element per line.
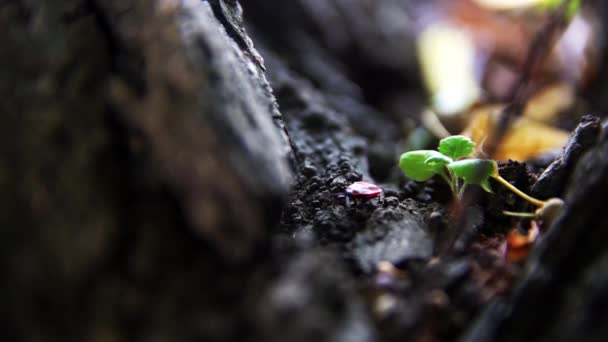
<point x="549" y="102"/>
<point x="525" y="138"/>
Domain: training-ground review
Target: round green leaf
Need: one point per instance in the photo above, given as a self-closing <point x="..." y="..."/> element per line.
<point x="456" y="146"/>
<point x="475" y="171"/>
<point x="415" y="166"/>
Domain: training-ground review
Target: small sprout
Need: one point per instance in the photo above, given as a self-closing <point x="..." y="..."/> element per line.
<point x="363" y="190"/>
<point x="424" y="164"/>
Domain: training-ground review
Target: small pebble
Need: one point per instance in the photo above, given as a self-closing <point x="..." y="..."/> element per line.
<point x="391" y="201"/>
<point x="309" y="170"/>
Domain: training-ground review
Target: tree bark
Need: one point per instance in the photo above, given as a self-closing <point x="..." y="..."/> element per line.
<point x="142" y="152"/>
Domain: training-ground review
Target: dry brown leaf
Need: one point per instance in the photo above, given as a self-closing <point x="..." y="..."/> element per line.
<point x="519" y="245"/>
<point x="549" y="102"/>
<point x="525" y="138"/>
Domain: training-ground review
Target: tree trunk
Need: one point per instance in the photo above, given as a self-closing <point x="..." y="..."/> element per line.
<point x="142" y="155"/>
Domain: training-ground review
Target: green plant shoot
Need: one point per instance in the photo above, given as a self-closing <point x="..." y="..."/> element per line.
<point x="422" y="165"/>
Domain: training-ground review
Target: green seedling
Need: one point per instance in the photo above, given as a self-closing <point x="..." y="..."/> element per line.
<point x="450" y="164"/>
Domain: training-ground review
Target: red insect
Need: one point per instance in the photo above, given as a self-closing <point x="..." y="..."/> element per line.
<point x="363" y="190"/>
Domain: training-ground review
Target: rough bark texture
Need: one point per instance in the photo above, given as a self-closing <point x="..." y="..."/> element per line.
<point x="554" y="180"/>
<point x="130" y="133"/>
<point x="330" y="156"/>
<point x="192" y="65"/>
<point x="357" y="48"/>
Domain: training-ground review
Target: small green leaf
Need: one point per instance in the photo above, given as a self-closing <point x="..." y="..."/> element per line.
<point x="456" y="146"/>
<point x="415" y="166"/>
<point x="475" y="171"/>
<point x="438" y="159"/>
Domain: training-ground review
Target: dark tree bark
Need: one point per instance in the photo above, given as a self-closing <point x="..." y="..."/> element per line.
<point x="363" y="49"/>
<point x="142" y="153"/>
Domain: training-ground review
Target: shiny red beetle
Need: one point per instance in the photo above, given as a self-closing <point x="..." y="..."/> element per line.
<point x="363" y="190"/>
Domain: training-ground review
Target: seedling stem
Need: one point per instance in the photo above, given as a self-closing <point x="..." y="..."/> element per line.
<point x="519" y="214"/>
<point x="519" y="193"/>
<point x="450" y="163"/>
